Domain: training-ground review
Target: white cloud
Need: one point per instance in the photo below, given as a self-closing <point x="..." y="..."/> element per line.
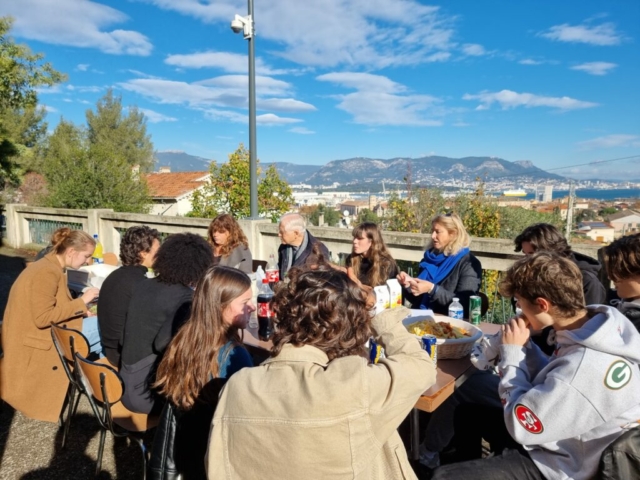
<point x="301" y="131"/>
<point x="461" y="124"/>
<point x="50" y="109"/>
<point x="82" y="67"/>
<point x="84" y="89"/>
<point x="77" y="23"/>
<point x="269" y="119"/>
<point x="227" y="61"/>
<point x="156" y="117"/>
<point x="229" y="91"/>
<point x="530" y="61"/>
<point x="327" y="33"/>
<point x="611" y="141"/>
<point x="508" y="99"/>
<point x="595" y="68"/>
<point x="140" y="74"/>
<point x="381" y="101"/>
<point x="603" y="35"/>
<point x="473" y="50"/>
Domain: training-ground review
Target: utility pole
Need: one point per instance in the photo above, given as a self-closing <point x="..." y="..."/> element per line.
<point x="567" y="234"/>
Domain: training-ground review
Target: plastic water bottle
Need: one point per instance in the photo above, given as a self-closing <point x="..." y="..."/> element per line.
<point x="97" y="252"/>
<point x="455" y="309"/>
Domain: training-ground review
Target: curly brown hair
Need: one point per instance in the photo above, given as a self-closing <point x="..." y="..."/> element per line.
<point x="136" y="240"/>
<point x="226" y="223"/>
<point x="546" y="275"/>
<point x="622" y="258"/>
<point x="322" y="308"/>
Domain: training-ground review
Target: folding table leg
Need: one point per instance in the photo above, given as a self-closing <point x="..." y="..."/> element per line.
<point x="414" y="426"/>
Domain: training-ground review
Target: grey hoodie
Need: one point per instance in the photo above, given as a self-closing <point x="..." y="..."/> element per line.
<point x="565" y="409"/>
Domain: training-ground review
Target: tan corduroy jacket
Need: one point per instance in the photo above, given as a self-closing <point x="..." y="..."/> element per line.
<point x="299" y="416"/>
<point x="32" y="379"/>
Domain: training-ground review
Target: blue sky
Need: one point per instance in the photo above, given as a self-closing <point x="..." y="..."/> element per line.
<point x="547" y="81"/>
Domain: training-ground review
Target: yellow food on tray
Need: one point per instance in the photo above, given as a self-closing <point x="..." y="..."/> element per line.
<point x="439" y="329"/>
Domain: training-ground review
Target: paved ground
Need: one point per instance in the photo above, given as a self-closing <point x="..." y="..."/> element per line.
<point x="30" y="450"/>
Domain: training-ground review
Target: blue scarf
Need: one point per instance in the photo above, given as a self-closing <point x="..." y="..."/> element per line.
<point x="435" y="267"/>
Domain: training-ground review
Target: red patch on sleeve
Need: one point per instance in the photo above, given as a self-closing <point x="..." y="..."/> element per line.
<point x="528" y="419"/>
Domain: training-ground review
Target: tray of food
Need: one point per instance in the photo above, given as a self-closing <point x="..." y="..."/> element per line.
<point x="455" y="337"/>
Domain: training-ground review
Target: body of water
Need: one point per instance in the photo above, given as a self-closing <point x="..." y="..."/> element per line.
<point x="590" y="193"/>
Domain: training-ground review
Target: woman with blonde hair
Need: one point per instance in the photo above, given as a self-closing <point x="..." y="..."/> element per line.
<point x="205" y="352"/>
<point x="229" y="244"/>
<point x="370" y="264"/>
<point x="447" y="270"/>
<point x="32" y="378"/>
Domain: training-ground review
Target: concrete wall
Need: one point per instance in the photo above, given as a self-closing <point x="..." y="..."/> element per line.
<point x="495" y="254"/>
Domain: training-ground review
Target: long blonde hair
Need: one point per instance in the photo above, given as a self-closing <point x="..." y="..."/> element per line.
<point x="453" y="224"/>
<point x="192" y="356"/>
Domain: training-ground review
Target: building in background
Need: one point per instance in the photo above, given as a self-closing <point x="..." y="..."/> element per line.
<point x="598" y="231"/>
<point x="624" y="222"/>
<point x="171" y="193"/>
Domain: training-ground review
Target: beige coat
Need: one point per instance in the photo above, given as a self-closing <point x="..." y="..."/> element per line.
<point x="32" y="379"/>
<point x="300" y="416"/>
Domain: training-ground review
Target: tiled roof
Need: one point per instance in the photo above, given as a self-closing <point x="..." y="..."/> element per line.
<point x="174" y="185"/>
<point x="622" y="214"/>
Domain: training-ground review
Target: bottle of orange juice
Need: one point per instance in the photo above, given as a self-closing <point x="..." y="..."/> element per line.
<point x="97" y="252"/>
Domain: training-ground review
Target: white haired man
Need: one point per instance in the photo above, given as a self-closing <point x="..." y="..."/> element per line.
<point x="297" y="243"/>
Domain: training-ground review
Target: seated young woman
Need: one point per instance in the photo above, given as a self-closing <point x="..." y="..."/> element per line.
<point x="138" y="249"/>
<point x="370" y="264"/>
<point x="229" y="244"/>
<point x="158" y="307"/>
<point x="317" y="407"/>
<point x="205" y="352"/>
<point x="32" y="378"/>
<point x="447" y="270"/>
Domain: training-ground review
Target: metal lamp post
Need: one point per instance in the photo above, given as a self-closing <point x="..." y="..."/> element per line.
<point x="246" y="26"/>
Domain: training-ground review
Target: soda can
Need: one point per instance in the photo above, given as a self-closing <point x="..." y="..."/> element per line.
<point x="429" y="345"/>
<point x="475" y="309"/>
<point x="376" y="352"/>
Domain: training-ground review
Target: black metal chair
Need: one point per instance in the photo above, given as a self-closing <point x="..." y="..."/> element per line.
<point x="68" y="342"/>
<point x="104" y="388"/>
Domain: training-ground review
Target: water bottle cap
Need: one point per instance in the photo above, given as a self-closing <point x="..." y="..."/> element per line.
<point x="456" y="299"/>
<point x="95" y="235"/>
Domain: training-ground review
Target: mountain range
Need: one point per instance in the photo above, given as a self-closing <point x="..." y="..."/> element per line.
<point x="424" y="170"/>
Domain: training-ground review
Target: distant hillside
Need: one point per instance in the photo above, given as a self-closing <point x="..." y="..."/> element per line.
<point x="294" y="173"/>
<point x="426" y="170"/>
<point x="180" y="161"/>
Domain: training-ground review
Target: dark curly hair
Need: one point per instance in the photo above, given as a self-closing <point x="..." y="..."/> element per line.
<point x="622" y="258"/>
<point x="322" y="308"/>
<point x="136" y="240"/>
<point x="183" y="258"/>
<point x="543" y="237"/>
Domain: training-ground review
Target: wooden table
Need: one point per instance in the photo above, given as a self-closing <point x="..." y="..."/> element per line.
<point x="450" y="374"/>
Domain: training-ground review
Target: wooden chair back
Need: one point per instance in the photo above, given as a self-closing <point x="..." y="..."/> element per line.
<point x="68" y="342"/>
<point x="100" y="380"/>
<point x="110" y="258"/>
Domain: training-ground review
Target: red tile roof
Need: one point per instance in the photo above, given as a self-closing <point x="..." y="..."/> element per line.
<point x="174" y="185"/>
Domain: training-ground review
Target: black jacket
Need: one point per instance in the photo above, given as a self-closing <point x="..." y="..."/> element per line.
<point x="156" y="311"/>
<point x="631" y="310"/>
<point x="594" y="291"/>
<point x="302" y="258"/>
<point x="115" y="295"/>
<point x="462" y="282"/>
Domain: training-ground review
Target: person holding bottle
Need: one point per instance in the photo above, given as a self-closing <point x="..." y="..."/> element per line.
<point x="370" y="264"/>
<point x="32" y="378"/>
<point x="229" y="244"/>
<point x="448" y="269"/>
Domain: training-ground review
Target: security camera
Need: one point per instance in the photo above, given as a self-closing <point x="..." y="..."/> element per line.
<point x="237" y="25"/>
